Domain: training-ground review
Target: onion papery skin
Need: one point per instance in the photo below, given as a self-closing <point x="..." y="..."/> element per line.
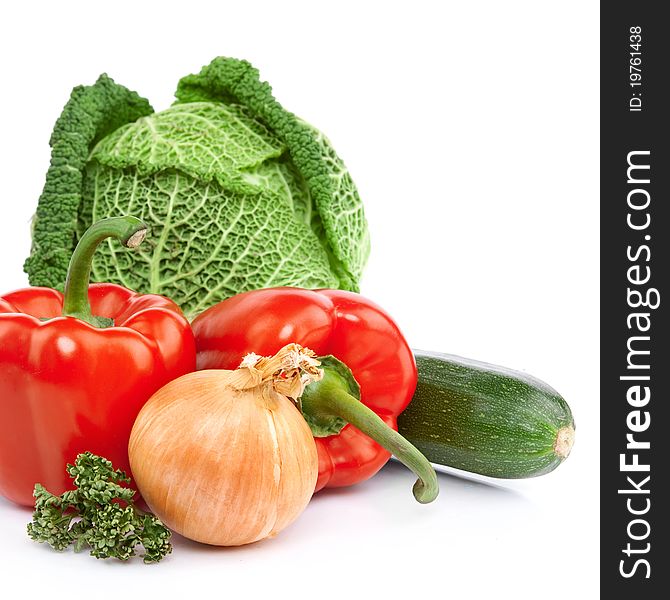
<point x="220" y="465"/>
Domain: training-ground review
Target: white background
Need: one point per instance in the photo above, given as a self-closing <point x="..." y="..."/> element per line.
<point x="471" y="130"/>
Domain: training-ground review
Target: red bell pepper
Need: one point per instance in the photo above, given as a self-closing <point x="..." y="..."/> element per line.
<point x="354" y="438"/>
<point x="76" y="368"/>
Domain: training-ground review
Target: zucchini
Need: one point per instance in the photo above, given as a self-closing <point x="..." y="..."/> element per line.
<point x="486" y="419"/>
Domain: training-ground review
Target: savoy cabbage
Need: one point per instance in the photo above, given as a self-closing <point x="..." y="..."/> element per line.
<point x="239" y="193"/>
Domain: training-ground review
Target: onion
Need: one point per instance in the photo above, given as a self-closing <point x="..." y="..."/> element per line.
<point x="225" y="457"/>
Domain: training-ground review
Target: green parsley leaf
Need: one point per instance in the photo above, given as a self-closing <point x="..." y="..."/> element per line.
<point x="98" y="514"/>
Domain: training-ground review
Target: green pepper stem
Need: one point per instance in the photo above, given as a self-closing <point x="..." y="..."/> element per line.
<point x="328" y="399"/>
<point x="129" y="230"/>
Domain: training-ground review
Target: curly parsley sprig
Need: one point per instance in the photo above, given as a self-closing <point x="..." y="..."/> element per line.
<point x="99" y="514"/>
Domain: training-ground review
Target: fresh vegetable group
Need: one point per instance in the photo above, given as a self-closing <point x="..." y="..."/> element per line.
<point x="276" y="390"/>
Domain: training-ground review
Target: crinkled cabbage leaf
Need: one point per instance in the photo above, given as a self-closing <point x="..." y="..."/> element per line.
<point x="238" y="193"/>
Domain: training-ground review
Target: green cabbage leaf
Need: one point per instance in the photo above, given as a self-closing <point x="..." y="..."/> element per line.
<point x="238" y="193"/>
